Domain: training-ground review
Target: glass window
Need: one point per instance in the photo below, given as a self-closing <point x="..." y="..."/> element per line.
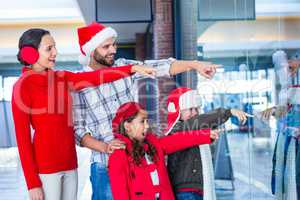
<point x="8" y="86"/>
<point x="249" y="50"/>
<point x="1" y="88"/>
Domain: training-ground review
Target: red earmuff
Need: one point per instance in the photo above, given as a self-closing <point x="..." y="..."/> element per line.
<point x="29" y="54"/>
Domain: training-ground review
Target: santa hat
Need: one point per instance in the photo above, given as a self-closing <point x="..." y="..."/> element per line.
<point x="125" y="111"/>
<point x="90" y="37"/>
<point x="180" y="99"/>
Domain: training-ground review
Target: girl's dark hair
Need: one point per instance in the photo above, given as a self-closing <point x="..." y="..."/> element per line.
<point x="31" y="37"/>
<point x="138" y="151"/>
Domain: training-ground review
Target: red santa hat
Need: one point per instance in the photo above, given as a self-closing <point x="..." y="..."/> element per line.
<point x="180" y="99"/>
<point x="90" y="37"/>
<point x="125" y="111"/>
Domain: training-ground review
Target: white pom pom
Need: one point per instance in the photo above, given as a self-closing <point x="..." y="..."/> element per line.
<point x="171" y="107"/>
<point x="83" y="60"/>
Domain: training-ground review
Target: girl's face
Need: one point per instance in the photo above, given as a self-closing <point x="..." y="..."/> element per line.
<point x="138" y="127"/>
<point x="47" y="52"/>
<point x="188" y="113"/>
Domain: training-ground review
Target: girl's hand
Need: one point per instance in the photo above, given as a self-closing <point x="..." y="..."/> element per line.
<point x="144" y="70"/>
<point x="241" y="115"/>
<point x="36" y="194"/>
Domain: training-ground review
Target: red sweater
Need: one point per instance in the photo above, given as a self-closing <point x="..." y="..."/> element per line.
<point x="43" y="101"/>
<point x="133" y="182"/>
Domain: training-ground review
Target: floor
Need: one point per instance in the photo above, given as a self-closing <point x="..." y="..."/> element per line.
<point x="251" y="164"/>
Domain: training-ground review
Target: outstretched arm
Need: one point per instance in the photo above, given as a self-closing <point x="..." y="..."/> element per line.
<point x="206" y="69"/>
<point x="213" y="119"/>
<point x="182" y="140"/>
<point x="276" y="111"/>
<point x="78" y="81"/>
<point x="167" y="67"/>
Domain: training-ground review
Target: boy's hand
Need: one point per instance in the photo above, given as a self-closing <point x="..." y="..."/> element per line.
<point x="214" y="134"/>
<point x="241" y="115"/>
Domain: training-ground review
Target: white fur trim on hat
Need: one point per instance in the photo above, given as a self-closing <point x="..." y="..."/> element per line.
<point x="100" y="37"/>
<point x="83" y="60"/>
<point x="189" y="99"/>
<point x="171" y="107"/>
<point x="173" y="124"/>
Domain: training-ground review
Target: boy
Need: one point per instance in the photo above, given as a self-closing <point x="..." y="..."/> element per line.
<point x="185" y="167"/>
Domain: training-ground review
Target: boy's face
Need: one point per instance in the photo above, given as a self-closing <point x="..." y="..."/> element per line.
<point x="188" y="113"/>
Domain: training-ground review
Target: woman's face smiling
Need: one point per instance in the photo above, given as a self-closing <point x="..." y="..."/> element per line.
<point x="47" y="54"/>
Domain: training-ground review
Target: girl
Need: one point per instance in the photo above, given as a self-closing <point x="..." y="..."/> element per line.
<point x="41" y="100"/>
<point x="139" y="171"/>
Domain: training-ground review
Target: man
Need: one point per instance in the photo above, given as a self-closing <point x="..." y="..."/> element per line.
<point x="95" y="108"/>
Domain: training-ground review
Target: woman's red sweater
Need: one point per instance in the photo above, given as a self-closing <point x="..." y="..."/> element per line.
<point x="42" y="101"/>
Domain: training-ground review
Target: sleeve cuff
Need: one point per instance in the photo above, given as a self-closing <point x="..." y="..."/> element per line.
<point x="162" y="66"/>
<point x="79" y="136"/>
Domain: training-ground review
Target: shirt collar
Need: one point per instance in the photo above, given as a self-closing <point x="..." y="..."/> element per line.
<point x="87" y="68"/>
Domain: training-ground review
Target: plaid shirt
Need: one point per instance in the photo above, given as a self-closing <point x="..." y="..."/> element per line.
<point x="95" y="107"/>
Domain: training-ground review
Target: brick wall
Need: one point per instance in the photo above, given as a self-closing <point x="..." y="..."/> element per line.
<point x="163" y="48"/>
<point x="140" y="48"/>
<point x="188" y="29"/>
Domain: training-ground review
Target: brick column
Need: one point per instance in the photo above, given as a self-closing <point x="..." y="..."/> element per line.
<point x="163" y="48"/>
<point x="188" y="28"/>
<point x="140" y="48"/>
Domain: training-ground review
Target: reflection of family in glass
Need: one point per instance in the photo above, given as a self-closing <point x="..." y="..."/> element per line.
<point x="96" y="109"/>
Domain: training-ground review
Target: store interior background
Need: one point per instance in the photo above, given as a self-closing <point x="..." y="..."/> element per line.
<point x="242" y="38"/>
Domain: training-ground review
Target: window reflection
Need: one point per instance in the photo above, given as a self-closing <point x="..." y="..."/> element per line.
<point x="8" y="86"/>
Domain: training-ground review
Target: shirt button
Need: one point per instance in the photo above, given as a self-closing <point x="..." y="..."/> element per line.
<point x="194" y="170"/>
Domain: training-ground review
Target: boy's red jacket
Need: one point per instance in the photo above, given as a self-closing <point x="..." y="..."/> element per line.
<point x="42" y="100"/>
<point x="132" y="182"/>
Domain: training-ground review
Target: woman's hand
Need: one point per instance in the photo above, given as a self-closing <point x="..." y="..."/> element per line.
<point x="241" y="115"/>
<point x="144" y="70"/>
<point x="36" y="194"/>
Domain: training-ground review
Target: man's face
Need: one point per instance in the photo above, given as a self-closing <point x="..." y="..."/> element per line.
<point x="105" y="53"/>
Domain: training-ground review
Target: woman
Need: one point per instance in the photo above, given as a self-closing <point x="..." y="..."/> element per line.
<point x="41" y="100"/>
